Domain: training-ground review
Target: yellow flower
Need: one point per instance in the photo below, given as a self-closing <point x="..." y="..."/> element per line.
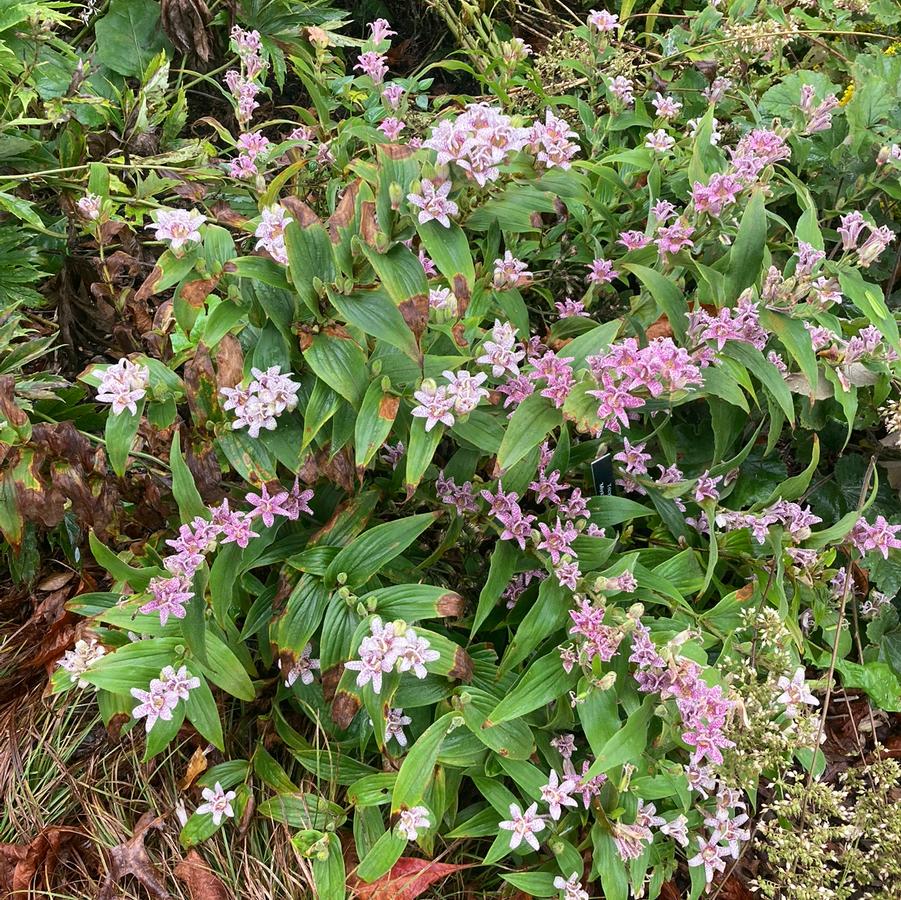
<point x="846" y="97"/>
<point x="892" y="49"/>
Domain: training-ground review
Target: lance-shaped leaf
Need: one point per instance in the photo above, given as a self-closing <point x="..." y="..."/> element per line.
<point x="501" y="569"/>
<point x="412" y="602"/>
<point x="310" y="257"/>
<point x="119" y="435"/>
<point x="628" y="743"/>
<point x="508" y="739"/>
<point x="340" y="362"/>
<point x="746" y="256"/>
<point x="418" y="768"/>
<point x="374" y="421"/>
<point x="544" y="680"/>
<point x="421" y="449"/>
<point x="292" y="627"/>
<point x="529" y="425"/>
<point x="449" y="249"/>
<point x="376" y="314"/>
<point x="366" y="554"/>
<point x="190" y="504"/>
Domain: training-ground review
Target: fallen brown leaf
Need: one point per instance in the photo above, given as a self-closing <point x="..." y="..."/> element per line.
<point x="19" y="863"/>
<point x="408" y="879"/>
<point x="202" y="884"/>
<point x="131" y="858"/>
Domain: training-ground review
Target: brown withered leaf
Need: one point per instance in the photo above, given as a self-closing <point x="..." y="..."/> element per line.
<point x="223" y="213"/>
<point x="197" y="765"/>
<point x="19" y="863"/>
<point x="408" y="879"/>
<point x="229" y="362"/>
<point x="344" y="707"/>
<point x="459" y="333"/>
<point x="186" y="23"/>
<point x="148" y="287"/>
<point x="461" y="291"/>
<point x="300" y="212"/>
<point x="202" y="884"/>
<point x="8" y="406"/>
<point x="195" y="292"/>
<point x="131" y="858"/>
<point x="415" y="311"/>
<point x="660" y="328"/>
<point x="200" y="385"/>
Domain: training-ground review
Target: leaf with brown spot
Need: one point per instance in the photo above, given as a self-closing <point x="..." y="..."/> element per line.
<point x="131" y="858"/>
<point x="345" y="212"/>
<point x="450" y="605"/>
<point x="660" y="328"/>
<point x="202" y="884"/>
<point x="388" y="407"/>
<point x="458" y="331"/>
<point x="300" y="212"/>
<point x="369" y="228"/>
<point x="396" y="151"/>
<point x="186" y="24"/>
<point x="195" y="292"/>
<point x="330" y="679"/>
<point x="408" y="879"/>
<point x="462" y="667"/>
<point x="225" y="215"/>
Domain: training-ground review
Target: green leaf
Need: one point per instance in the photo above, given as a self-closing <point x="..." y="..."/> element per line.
<point x="302" y="811"/>
<point x="765" y="372"/>
<point x="190" y="504"/>
<point x="746" y="256"/>
<point x="384" y="854"/>
<point x="400" y="272"/>
<point x="412" y="602"/>
<point x="501" y="569"/>
<point x="341" y="363"/>
<point x="544" y="681"/>
<point x="129" y="36"/>
<point x="794" y="487"/>
<point x="869" y="300"/>
<point x="138" y="579"/>
<point x="612" y="510"/>
<point x="626" y="744"/>
<point x="120" y="432"/>
<point x="375" y="313"/>
<point x="201" y="712"/>
<point x="224" y="669"/>
<point x="529" y="425"/>
<point x="796" y="340"/>
<point x="544" y="617"/>
<point x="511" y="739"/>
<point x="310" y="257"/>
<point x="329" y="874"/>
<point x="669" y="299"/>
<point x="366" y="554"/>
<point x="418" y="767"/>
<point x="420" y="451"/>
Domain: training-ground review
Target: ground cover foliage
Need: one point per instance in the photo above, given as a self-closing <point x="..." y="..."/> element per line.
<point x="450" y="450"/>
